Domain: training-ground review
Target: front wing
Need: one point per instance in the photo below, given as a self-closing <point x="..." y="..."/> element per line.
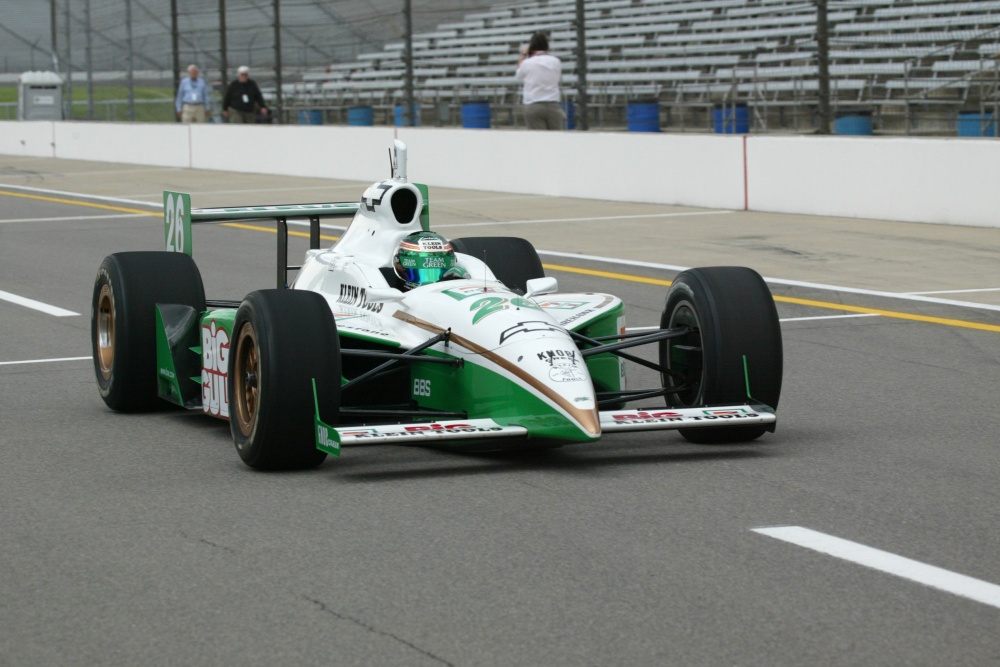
<point x="329" y="439"/>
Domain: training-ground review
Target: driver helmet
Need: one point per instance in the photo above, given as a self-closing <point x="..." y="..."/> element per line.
<point x="425" y="257"/>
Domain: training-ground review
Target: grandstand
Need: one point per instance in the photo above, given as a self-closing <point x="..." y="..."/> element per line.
<point x="912" y="64"/>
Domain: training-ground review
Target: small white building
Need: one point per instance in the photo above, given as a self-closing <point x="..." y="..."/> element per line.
<point x="40" y="96"/>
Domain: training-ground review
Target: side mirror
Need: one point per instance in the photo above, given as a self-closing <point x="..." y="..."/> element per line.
<point x="540" y="286"/>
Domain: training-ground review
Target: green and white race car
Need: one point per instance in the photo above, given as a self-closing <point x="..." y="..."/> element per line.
<point x="397" y="335"/>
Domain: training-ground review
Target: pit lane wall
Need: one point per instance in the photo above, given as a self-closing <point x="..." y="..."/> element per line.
<point x="936" y="180"/>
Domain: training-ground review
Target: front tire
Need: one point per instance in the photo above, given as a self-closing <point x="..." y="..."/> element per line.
<point x="731" y="317"/>
<point x="123" y="321"/>
<point x="282" y="339"/>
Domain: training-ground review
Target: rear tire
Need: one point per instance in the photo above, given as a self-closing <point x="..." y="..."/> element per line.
<point x="512" y="260"/>
<point x="282" y="339"/>
<point x="732" y="317"/>
<point x="123" y="321"/>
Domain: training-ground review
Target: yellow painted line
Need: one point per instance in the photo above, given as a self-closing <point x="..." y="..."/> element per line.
<point x="891" y="313"/>
<point x="57" y="200"/>
<point x="258" y="228"/>
<point x="913" y="317"/>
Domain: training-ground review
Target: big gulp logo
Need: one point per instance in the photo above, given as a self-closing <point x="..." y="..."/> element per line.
<point x="214" y="370"/>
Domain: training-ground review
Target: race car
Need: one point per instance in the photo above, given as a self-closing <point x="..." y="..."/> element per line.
<point x="396" y="334"/>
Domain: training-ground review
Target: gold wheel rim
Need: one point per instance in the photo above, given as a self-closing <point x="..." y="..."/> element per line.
<point x="105" y="332"/>
<point x="246" y="380"/>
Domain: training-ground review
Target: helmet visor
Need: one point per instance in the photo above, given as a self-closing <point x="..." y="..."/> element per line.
<point x="421" y="268"/>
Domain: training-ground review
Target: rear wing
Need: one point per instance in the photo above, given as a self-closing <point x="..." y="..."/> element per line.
<point x="178" y="217"/>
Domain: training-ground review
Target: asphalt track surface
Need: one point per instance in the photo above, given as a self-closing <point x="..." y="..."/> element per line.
<point x="142" y="539"/>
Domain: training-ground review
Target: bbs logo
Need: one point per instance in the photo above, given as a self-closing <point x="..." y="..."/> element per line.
<point x="421" y="387"/>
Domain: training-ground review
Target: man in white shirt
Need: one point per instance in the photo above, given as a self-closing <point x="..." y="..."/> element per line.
<point x="541" y="72"/>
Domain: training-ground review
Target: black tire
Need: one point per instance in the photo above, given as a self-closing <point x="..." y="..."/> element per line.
<point x="512" y="260"/>
<point x="282" y="339"/>
<point x="731" y="315"/>
<point x="123" y="321"/>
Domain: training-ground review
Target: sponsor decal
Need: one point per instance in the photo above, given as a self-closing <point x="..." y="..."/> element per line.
<point x="344" y="316"/>
<point x="167" y="373"/>
<point x="575" y="317"/>
<point x="563" y="365"/>
<point x="323" y="438"/>
<point x="643" y="417"/>
<point x="421" y="387"/>
<point x="562" y="305"/>
<point x="373" y="196"/>
<point x="461" y="293"/>
<point x="214" y="370"/>
<point x="422" y="430"/>
<point x="352" y="295"/>
<point x="494" y="304"/>
<point x="527" y="327"/>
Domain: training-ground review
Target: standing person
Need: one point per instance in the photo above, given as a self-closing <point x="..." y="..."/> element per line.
<point x="541" y="72"/>
<point x="193" y="98"/>
<point x="243" y="99"/>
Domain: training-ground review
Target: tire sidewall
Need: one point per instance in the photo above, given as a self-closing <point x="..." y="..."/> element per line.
<point x="297" y="340"/>
<point x="137" y="281"/>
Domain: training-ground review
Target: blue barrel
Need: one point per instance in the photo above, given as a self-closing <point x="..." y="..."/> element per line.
<point x="360" y="116"/>
<point x="567" y="108"/>
<point x="403" y="115"/>
<point x="853" y="122"/>
<point x="976" y="125"/>
<point x="476" y="114"/>
<point x="731" y="119"/>
<point x="643" y="116"/>
<point x="312" y="117"/>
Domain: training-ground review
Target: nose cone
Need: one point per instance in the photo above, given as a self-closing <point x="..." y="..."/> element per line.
<point x="555" y="371"/>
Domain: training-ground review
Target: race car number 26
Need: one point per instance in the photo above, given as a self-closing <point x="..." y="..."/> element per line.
<point x="176" y="208"/>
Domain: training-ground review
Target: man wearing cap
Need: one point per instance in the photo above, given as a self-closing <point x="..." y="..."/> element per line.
<point x="193" y="100"/>
<point x="243" y="99"/>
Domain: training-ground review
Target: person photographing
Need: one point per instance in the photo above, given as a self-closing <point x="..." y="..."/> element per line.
<point x="541" y="72"/>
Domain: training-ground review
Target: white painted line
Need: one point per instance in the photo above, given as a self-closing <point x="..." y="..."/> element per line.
<point x="80" y="195"/>
<point x="42" y="361"/>
<point x="781" y="281"/>
<point x="300" y="223"/>
<point x="784" y="319"/>
<point x="74" y="218"/>
<point x="883" y="561"/>
<point x="960" y="291"/>
<point x="593" y="219"/>
<point x="254" y="190"/>
<point x="828" y="317"/>
<point x="36" y="305"/>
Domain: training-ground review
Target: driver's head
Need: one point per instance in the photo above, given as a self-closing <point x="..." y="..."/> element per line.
<point x="423" y="258"/>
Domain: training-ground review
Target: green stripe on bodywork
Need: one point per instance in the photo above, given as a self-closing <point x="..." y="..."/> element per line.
<point x="605" y="369"/>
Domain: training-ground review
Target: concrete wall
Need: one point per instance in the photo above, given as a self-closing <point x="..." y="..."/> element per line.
<point x="922" y="180"/>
